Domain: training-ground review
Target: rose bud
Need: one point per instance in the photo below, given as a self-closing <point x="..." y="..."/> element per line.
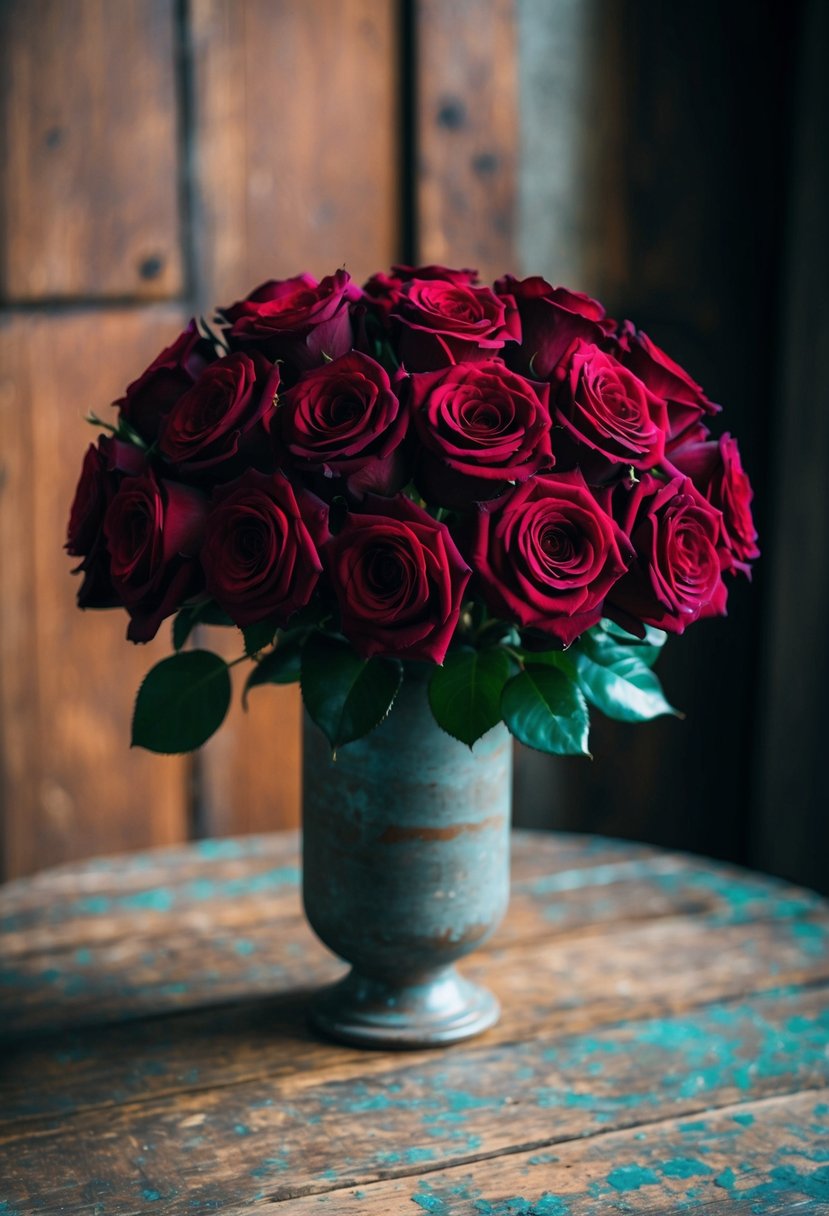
<point x="104" y="466"/>
<point x="441" y="323"/>
<point x="228" y="404"/>
<point x="548" y="558"/>
<point x="604" y="407"/>
<point x="153" y="530"/>
<point x="677" y="575"/>
<point x="717" y="472"/>
<point x="149" y="399"/>
<point x="399" y="581"/>
<point x="299" y="320"/>
<point x="481" y="427"/>
<point x="260" y="555"/>
<point x="552" y="319"/>
<point x="686" y="402"/>
<point x="344" y="420"/>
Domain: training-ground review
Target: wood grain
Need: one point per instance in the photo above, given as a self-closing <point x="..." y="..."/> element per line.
<point x="71" y="785"/>
<point x="90" y="128"/>
<point x="466" y="134"/>
<point x="285" y="184"/>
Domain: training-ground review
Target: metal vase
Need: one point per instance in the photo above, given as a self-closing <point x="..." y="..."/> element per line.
<point x="405" y="870"/>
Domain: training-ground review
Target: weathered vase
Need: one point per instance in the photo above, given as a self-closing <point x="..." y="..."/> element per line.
<point x="405" y="870"/>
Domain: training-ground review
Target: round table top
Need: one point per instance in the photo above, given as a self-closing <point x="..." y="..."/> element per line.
<point x="663" y="1046"/>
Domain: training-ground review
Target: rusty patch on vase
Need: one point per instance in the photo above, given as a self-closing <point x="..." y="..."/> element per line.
<point x="397" y="833"/>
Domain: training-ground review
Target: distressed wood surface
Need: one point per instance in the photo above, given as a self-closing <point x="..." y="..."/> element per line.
<point x="663" y="1045"/>
<point x="68" y="679"/>
<point x="88" y="109"/>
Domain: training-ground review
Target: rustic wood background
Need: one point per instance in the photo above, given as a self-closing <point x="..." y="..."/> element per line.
<point x="160" y="156"/>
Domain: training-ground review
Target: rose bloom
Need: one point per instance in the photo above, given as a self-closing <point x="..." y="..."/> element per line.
<point x="344" y="420"/>
<point x="686" y="402"/>
<point x="298" y="320"/>
<point x="210" y="422"/>
<point x="552" y="319"/>
<point x="717" y="472"/>
<point x="548" y="558"/>
<point x="104" y="466"/>
<point x="149" y="399"/>
<point x="381" y="291"/>
<point x="677" y="576"/>
<point x="480" y="428"/>
<point x="399" y="580"/>
<point x="443" y="322"/>
<point x="603" y="406"/>
<point x="153" y="531"/>
<point x="260" y="554"/>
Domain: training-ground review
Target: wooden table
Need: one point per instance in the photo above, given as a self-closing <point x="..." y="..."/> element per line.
<point x="663" y="1046"/>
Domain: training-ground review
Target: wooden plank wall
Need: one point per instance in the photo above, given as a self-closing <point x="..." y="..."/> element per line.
<point x="161" y="156"/>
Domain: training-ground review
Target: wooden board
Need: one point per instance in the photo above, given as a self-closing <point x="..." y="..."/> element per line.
<point x="652" y="1056"/>
<point x="88" y="104"/>
<point x="466" y="134"/>
<point x="286" y="184"/>
<point x="71" y="786"/>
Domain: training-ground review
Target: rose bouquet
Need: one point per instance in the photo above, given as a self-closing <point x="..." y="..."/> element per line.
<point x="501" y="483"/>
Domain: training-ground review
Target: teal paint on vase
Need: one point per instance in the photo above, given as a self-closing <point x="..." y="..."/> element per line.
<point x="405" y="870"/>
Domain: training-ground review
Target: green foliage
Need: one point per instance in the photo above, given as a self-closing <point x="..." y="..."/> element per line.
<point x="618" y="681"/>
<point x="206" y="612"/>
<point x="258" y="636"/>
<point x="543" y="708"/>
<point x="283" y="665"/>
<point x="465" y="694"/>
<point x="182" y="701"/>
<point x="346" y="696"/>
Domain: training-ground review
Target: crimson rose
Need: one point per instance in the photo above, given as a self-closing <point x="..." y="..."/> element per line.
<point x="686" y="402"/>
<point x="677" y="575"/>
<point x="298" y="320"/>
<point x="442" y="322"/>
<point x="481" y="427"/>
<point x="399" y="580"/>
<point x="717" y="472"/>
<point x="153" y="530"/>
<point x="552" y="318"/>
<point x="548" y="558"/>
<point x="603" y="406"/>
<point x="382" y="290"/>
<point x="149" y="399"/>
<point x="209" y="422"/>
<point x="344" y="420"/>
<point x="260" y="555"/>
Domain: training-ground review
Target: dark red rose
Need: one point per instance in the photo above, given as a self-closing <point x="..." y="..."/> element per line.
<point x="382" y="290"/>
<point x="298" y="320"/>
<point x="608" y="409"/>
<point x="686" y="401"/>
<point x="552" y="318"/>
<point x="149" y="399"/>
<point x="153" y="530"/>
<point x="717" y="472"/>
<point x="442" y="322"/>
<point x="344" y="420"/>
<point x="549" y="557"/>
<point x="677" y="575"/>
<point x="481" y="427"/>
<point x="104" y="466"/>
<point x="260" y="554"/>
<point x="208" y="424"/>
<point x="399" y="580"/>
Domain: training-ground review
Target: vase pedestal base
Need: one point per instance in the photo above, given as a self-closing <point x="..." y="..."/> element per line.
<point x="432" y="1011"/>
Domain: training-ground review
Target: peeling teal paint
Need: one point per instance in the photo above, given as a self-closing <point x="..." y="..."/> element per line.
<point x="632" y="1177"/>
<point x="684" y="1167"/>
<point x="746" y="1119"/>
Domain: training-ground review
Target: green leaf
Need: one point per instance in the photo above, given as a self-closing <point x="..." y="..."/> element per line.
<point x="465" y="694"/>
<point x="563" y="659"/>
<point x="609" y="633"/>
<point x="545" y="710"/>
<point x="618" y="681"/>
<point x="207" y="612"/>
<point x="345" y="695"/>
<point x="258" y="636"/>
<point x="182" y="701"/>
<point x="280" y="666"/>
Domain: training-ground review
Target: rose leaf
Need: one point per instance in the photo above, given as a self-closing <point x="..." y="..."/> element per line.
<point x="619" y="682"/>
<point x="465" y="694"/>
<point x="547" y="711"/>
<point x="181" y="702"/>
<point x="281" y="666"/>
<point x="346" y="696"/>
<point x="258" y="636"/>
